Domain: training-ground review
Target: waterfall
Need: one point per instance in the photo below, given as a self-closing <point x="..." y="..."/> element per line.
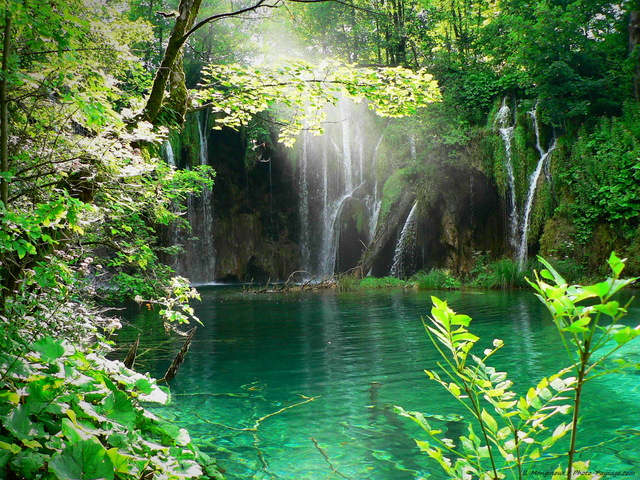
<point x="205" y="271"/>
<point x="533" y="183"/>
<point x="305" y="234"/>
<point x="405" y="244"/>
<point x="330" y="237"/>
<point x="346" y="148"/>
<point x="334" y="172"/>
<point x="376" y="201"/>
<point x="167" y="151"/>
<point x="504" y="120"/>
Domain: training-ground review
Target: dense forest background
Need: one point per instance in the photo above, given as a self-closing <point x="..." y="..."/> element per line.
<point x="566" y="73"/>
<point x="122" y="121"/>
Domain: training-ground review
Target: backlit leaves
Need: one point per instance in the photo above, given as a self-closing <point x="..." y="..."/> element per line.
<point x="296" y="93"/>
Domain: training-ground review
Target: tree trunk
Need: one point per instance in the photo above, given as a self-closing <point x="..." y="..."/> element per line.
<point x="4" y="112"/>
<point x="170" y="70"/>
<point x="634" y="49"/>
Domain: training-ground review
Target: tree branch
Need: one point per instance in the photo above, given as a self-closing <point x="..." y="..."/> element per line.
<point x="214" y="18"/>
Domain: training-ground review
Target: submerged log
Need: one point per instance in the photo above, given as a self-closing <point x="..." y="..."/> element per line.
<point x="385" y="229"/>
<point x="175" y="365"/>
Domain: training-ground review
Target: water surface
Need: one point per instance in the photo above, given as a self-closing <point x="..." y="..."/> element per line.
<point x="333" y="365"/>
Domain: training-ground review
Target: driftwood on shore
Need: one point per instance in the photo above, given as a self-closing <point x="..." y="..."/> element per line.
<point x="308" y="283"/>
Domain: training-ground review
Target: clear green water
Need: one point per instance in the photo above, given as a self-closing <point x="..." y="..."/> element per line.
<point x="358" y="354"/>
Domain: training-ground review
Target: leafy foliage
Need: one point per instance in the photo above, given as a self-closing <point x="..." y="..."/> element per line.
<point x="67" y="414"/>
<point x="603" y="173"/>
<point x="239" y="93"/>
<point x="508" y="431"/>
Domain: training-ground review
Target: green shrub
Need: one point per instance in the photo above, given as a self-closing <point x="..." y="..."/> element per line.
<point x="503" y="274"/>
<point x="507" y="433"/>
<point x="436" y="279"/>
<point x="69" y="414"/>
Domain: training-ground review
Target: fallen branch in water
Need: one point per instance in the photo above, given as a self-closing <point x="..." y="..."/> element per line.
<point x="173" y="368"/>
<point x="261" y="419"/>
<point x="334" y="470"/>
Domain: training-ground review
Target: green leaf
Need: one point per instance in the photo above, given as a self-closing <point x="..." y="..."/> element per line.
<point x="489" y="421"/>
<point x="616" y="264"/>
<point x="119" y="408"/>
<point x="11" y="447"/>
<point x="20" y="425"/>
<point x="49" y="349"/>
<point x="578" y="326"/>
<point x="463" y="320"/>
<point x="599" y="289"/>
<point x="120" y="462"/>
<point x="626" y="334"/>
<point x="465" y="337"/>
<point x="84" y="460"/>
<point x="552" y="271"/>
<point x="609" y="308"/>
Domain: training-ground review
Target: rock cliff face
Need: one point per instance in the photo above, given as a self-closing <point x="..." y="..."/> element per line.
<point x="459" y="215"/>
<point x="465" y="217"/>
<point x="255" y="205"/>
<point x="245" y="252"/>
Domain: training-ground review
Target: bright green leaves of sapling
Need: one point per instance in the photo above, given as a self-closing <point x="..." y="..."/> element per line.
<point x="508" y="431"/>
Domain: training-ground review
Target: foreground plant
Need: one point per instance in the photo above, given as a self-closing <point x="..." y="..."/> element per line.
<point x="509" y="432"/>
<point x="66" y="414"/>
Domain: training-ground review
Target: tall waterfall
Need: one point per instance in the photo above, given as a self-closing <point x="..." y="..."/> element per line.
<point x="406" y="244"/>
<point x="207" y="240"/>
<point x="304" y="206"/>
<point x="519" y="224"/>
<point x="198" y="261"/>
<point x="533" y="183"/>
<point x="506" y="128"/>
<point x="333" y="170"/>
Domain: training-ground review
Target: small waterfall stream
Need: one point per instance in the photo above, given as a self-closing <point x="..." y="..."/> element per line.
<point x="533" y="184"/>
<point x="406" y="243"/>
<point x="198" y="261"/>
<point x="167" y="153"/>
<point x="305" y="225"/>
<point x="506" y="129"/>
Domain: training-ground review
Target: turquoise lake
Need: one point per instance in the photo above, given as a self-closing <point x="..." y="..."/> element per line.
<point x="356" y="355"/>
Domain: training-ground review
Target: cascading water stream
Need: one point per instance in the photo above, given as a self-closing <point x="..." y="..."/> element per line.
<point x="376" y="202"/>
<point x="334" y="173"/>
<point x="206" y="269"/>
<point x="506" y="130"/>
<point x="347" y="159"/>
<point x="305" y="235"/>
<point x="167" y="151"/>
<point x="533" y="183"/>
<point x="405" y="244"/>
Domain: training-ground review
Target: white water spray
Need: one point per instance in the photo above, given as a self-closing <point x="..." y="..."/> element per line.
<point x="533" y="183"/>
<point x="506" y="130"/>
<point x="405" y="244"/>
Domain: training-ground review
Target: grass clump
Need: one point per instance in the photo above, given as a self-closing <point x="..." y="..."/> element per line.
<point x="436" y="279"/>
<point x="502" y="274"/>
<point x="347" y="283"/>
<point x="384" y="282"/>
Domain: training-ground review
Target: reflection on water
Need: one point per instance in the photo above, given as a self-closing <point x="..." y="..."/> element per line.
<point x="333" y="365"/>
